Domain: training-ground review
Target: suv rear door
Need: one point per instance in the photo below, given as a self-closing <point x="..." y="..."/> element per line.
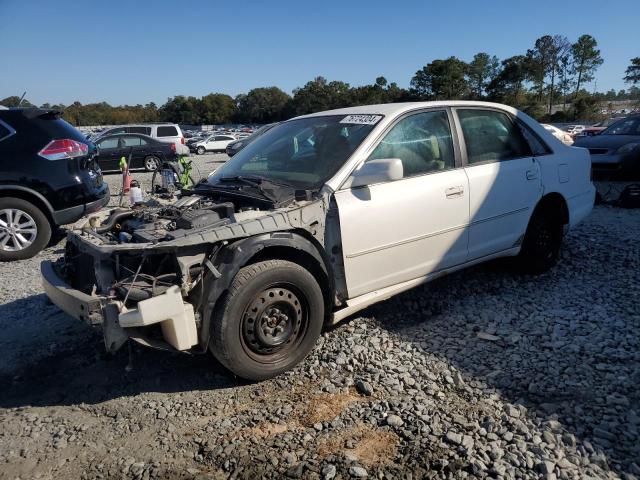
<point x="504" y="179"/>
<point x="402" y="230"/>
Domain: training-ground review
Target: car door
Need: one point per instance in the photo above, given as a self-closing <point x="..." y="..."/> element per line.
<point x="402" y="230"/>
<point x="504" y="179"/>
<point x="133" y="151"/>
<point x="108" y="154"/>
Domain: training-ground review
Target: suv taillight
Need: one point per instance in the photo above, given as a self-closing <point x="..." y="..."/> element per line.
<point x="61" y="149"/>
<point x="173" y="147"/>
<point x="182" y="140"/>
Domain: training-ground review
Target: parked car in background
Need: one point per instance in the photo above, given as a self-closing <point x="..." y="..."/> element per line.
<point x="164" y="132"/>
<point x="561" y="135"/>
<point x="212" y="143"/>
<point x="598" y="127"/>
<point x="615" y="152"/>
<point x="318" y="218"/>
<point x="48" y="177"/>
<point x="141" y="151"/>
<point x="574" y="130"/>
<point x="235" y="147"/>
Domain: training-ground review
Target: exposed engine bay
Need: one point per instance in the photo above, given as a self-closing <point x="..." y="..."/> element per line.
<point x="161" y="223"/>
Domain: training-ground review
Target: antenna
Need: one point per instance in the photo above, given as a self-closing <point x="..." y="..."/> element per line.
<point x="21" y="98"/>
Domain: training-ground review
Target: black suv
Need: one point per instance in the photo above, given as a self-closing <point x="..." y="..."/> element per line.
<point x="48" y="177"/>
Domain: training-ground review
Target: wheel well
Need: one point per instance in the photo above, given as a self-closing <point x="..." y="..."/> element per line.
<point x="29" y="197"/>
<point x="303" y="259"/>
<point x="555" y="202"/>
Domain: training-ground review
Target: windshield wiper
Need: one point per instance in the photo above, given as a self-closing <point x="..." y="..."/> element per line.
<point x="254" y="180"/>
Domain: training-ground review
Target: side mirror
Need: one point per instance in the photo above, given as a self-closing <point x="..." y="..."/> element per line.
<point x="378" y="171"/>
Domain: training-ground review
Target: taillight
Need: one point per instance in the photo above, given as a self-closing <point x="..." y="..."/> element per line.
<point x="182" y="140"/>
<point x="173" y="147"/>
<point x="61" y="149"/>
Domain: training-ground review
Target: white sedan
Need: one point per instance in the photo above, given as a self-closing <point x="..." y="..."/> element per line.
<point x="213" y="143"/>
<point x="322" y="216"/>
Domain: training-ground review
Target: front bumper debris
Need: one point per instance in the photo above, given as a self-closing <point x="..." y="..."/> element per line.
<point x="74" y="302"/>
<point x="176" y="317"/>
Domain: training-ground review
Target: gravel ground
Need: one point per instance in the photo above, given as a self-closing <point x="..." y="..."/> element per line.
<point x="480" y="374"/>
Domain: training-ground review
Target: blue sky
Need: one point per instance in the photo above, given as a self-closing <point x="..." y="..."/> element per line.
<point x="139" y="51"/>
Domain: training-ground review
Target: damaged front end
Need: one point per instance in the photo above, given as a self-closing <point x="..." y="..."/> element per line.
<point x="154" y="274"/>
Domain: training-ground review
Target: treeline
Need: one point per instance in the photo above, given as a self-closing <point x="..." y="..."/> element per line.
<point x="553" y="72"/>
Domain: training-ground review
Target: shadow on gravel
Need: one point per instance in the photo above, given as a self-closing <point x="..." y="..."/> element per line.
<point x="565" y="357"/>
<point x="79" y="371"/>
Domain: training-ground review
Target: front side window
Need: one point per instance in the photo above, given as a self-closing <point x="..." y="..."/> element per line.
<point x="422" y="142"/>
<point x="491" y="136"/>
<point x="303" y="153"/>
<point x="167" y="131"/>
<point x="108" y="143"/>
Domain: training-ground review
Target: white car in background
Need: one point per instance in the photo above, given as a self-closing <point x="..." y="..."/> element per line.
<point x="213" y="143"/>
<point x="561" y="135"/>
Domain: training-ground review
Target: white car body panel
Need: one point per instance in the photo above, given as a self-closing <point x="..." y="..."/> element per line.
<point x="405" y="232"/>
<point x="398" y="231"/>
<point x="501" y="198"/>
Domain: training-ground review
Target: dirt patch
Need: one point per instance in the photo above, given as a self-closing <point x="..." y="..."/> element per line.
<point x="269" y="429"/>
<point x="371" y="446"/>
<point x="325" y="407"/>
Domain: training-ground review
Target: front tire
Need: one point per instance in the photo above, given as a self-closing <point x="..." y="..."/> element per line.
<point x="542" y="242"/>
<point x="269" y="320"/>
<point x="24" y="229"/>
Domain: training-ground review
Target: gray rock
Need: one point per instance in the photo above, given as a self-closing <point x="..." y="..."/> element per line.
<point x="329" y="472"/>
<point x="364" y="388"/>
<point x="358" y="472"/>
<point x="394" y="421"/>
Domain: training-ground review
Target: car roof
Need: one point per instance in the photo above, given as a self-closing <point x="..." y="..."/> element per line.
<point x="398" y="108"/>
<point x="113" y="135"/>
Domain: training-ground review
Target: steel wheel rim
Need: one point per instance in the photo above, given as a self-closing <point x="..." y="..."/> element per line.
<point x="274" y="323"/>
<point x="18" y="230"/>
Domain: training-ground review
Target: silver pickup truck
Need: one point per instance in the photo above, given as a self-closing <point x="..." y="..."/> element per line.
<point x="318" y="218"/>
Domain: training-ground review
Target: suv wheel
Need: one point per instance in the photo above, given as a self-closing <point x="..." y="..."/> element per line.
<point x="542" y="242"/>
<point x="201" y="150"/>
<point x="24" y="229"/>
<point x="151" y="163"/>
<point x="269" y="320"/>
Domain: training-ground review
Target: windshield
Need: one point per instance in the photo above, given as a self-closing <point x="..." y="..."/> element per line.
<point x="303" y="153"/>
<point x="628" y="126"/>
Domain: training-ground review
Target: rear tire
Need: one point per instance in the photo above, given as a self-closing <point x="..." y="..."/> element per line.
<point x="542" y="242"/>
<point x="24" y="229"/>
<point x="269" y="320"/>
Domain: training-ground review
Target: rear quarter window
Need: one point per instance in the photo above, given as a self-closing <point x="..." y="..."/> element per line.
<point x="167" y="132"/>
<point x="142" y="130"/>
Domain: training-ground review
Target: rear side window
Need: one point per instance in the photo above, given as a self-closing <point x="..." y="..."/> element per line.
<point x="491" y="136"/>
<point x="423" y="142"/>
<point x="131" y="141"/>
<point x="535" y="142"/>
<point x="58" y="128"/>
<point x="141" y="130"/>
<point x="167" y="132"/>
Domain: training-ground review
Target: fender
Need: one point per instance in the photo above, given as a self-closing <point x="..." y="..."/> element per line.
<point x="30" y="191"/>
<point x="231" y="258"/>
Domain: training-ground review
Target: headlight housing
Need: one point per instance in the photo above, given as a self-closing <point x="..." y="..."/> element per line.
<point x="629" y="147"/>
